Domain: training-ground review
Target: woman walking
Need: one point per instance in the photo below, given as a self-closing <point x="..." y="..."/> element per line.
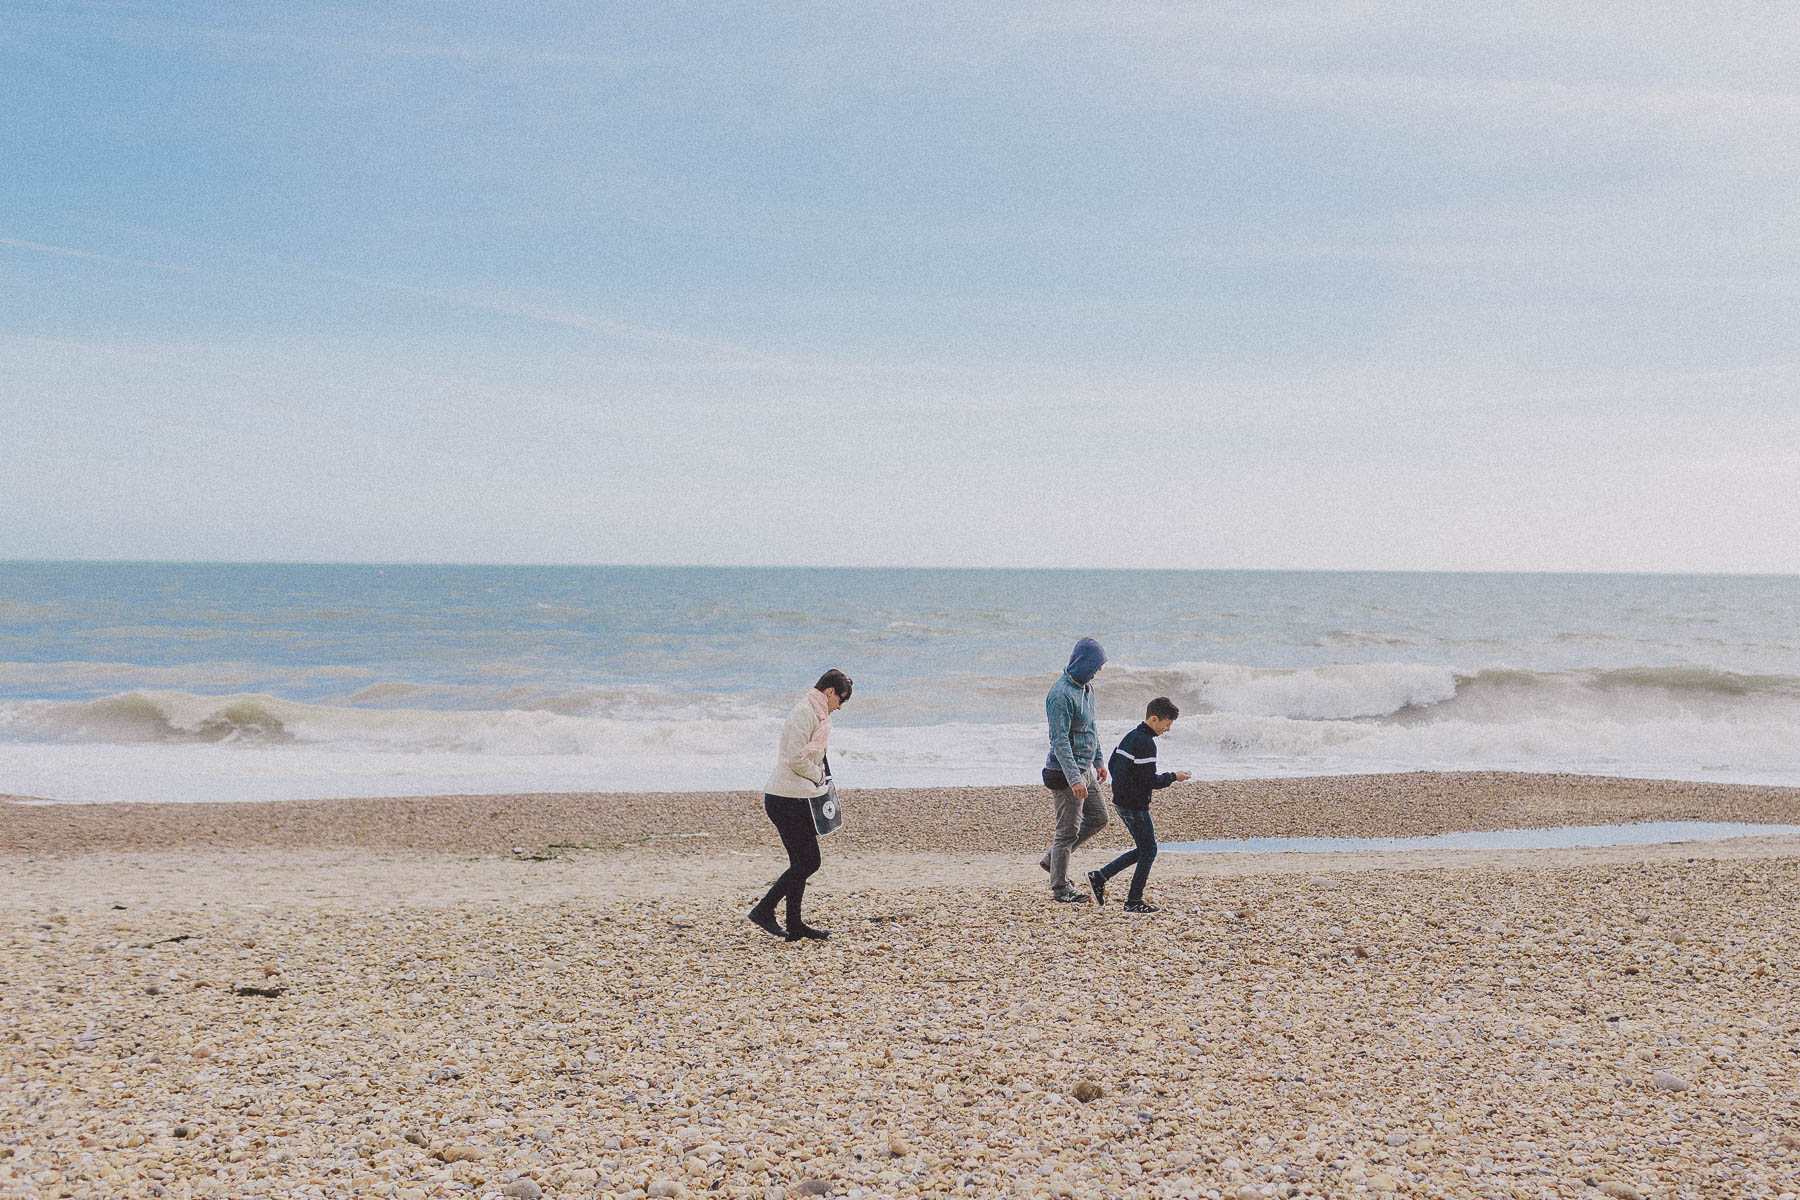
<point x="801" y="773"/>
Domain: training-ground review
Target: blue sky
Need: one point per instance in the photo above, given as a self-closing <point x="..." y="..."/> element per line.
<point x="1088" y="284"/>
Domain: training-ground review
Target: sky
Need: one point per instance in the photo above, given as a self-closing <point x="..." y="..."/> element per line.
<point x="1102" y="284"/>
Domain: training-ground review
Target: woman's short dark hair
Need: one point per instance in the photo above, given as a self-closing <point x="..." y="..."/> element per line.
<point x="835" y="680"/>
<point x="1162" y="707"/>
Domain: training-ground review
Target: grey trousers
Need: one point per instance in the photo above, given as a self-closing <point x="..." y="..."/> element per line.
<point x="1077" y="820"/>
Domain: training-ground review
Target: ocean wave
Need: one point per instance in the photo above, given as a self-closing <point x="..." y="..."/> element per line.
<point x="1673" y="746"/>
<point x="1500" y="695"/>
<point x="178" y="718"/>
<point x="489" y="753"/>
<point x="1372" y="637"/>
<point x="1329" y="693"/>
<point x="504" y="714"/>
<point x="168" y="717"/>
<point x="1321" y="693"/>
<point x="51" y="678"/>
<point x="1420" y="692"/>
<point x="624" y="702"/>
<point x="1705" y="680"/>
<point x="1682" y="720"/>
<point x="26" y="612"/>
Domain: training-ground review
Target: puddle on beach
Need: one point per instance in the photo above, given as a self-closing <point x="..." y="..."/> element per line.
<point x="1645" y="833"/>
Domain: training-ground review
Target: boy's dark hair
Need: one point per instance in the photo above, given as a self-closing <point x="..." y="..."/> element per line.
<point x="835" y="680"/>
<point x="1162" y="707"/>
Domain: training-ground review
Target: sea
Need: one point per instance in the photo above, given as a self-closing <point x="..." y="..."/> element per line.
<point x="163" y="682"/>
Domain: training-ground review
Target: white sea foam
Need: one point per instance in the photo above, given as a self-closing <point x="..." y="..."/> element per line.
<point x="396" y="738"/>
<point x="1319" y="693"/>
<point x="321" y="751"/>
<point x="1361" y="690"/>
<point x="1233" y="744"/>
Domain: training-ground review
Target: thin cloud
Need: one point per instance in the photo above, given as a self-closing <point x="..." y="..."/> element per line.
<point x="90" y="256"/>
<point x="742" y="358"/>
<point x="1516" y="99"/>
<point x="620" y="330"/>
<point x="727" y="356"/>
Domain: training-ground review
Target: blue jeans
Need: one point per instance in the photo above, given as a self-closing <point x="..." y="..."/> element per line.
<point x="1143" y="831"/>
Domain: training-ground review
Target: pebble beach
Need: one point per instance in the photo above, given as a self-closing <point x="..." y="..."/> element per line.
<point x="533" y="996"/>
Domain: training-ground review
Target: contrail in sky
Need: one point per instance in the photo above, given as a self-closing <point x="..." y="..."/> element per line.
<point x="66" y="252"/>
<point x="529" y="312"/>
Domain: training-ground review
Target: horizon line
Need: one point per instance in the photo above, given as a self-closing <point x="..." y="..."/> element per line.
<point x="700" y="566"/>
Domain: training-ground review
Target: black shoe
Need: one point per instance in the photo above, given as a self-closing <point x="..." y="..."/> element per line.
<point x="766" y="921"/>
<point x="803" y="930"/>
<point x="1097" y="881"/>
<point x="1138" y="906"/>
<point x="1044" y="865"/>
<point x="1068" y="896"/>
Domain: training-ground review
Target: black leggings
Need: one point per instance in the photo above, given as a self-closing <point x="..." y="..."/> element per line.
<point x="794" y="821"/>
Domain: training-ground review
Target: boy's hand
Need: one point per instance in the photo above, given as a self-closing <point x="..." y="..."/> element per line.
<point x="1079" y="787"/>
<point x="1182" y="777"/>
<point x="1100" y="772"/>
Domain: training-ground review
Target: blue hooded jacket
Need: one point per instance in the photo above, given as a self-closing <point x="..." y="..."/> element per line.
<point x="1074" y="739"/>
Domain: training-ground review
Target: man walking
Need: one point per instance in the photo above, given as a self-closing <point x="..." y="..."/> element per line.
<point x="1074" y="770"/>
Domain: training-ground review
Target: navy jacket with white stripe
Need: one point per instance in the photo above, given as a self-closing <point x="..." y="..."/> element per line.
<point x="1133" y="767"/>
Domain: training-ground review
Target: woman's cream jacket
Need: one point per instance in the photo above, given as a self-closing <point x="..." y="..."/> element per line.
<point x="800" y="769"/>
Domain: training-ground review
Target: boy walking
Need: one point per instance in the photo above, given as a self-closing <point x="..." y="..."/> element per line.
<point x="1134" y="778"/>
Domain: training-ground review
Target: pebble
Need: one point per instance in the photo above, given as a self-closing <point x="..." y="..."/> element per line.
<point x="523" y="1189"/>
<point x="654" y="1048"/>
<point x="1621" y="1191"/>
<point x="1668" y="1081"/>
<point x="1008" y="818"/>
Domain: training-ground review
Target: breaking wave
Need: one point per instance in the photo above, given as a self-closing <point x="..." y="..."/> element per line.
<point x="1238" y="721"/>
<point x="139" y="717"/>
<point x="179" y="718"/>
<point x="1418" y="692"/>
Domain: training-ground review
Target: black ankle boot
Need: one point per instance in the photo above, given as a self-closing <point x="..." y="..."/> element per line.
<point x="800" y="929"/>
<point x="766" y="921"/>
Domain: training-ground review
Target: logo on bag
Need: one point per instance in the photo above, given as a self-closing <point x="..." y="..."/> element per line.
<point x="830" y="809"/>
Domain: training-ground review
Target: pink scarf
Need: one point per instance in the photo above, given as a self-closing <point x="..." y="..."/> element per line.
<point x="822" y="707"/>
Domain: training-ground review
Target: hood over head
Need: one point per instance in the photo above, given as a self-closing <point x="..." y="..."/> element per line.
<point x="1085" y="660"/>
